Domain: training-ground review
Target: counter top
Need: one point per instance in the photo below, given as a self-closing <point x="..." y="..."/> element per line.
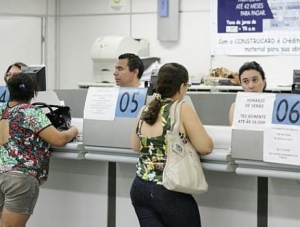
<point x="73" y="150"/>
<point x="200" y="87"/>
<point x="203" y="87"/>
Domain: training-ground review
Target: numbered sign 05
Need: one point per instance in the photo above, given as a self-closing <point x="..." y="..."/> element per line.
<point x="130" y="101"/>
<point x="4" y="94"/>
<point x="286" y="109"/>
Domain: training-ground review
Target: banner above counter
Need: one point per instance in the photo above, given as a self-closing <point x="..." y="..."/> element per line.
<point x="256" y="27"/>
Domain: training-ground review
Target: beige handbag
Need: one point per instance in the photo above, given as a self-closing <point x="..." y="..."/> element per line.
<point x="183" y="171"/>
<point x="4" y="128"/>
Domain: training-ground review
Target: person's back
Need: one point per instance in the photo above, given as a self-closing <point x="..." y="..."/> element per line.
<point x="24" y="151"/>
<point x="25" y="137"/>
<point x="156" y="135"/>
<point x="154" y="204"/>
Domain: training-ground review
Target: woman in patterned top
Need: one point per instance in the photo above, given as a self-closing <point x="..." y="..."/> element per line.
<point x="154" y="204"/>
<point x="25" y="136"/>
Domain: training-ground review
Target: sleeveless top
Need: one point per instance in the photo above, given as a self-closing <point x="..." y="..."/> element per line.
<point x="153" y="150"/>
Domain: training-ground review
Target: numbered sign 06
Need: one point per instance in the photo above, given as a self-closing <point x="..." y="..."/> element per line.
<point x="130" y="101"/>
<point x="286" y="109"/>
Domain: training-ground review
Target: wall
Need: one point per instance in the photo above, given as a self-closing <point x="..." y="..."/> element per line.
<point x="81" y="22"/>
<point x="22" y="25"/>
<point x="69" y="38"/>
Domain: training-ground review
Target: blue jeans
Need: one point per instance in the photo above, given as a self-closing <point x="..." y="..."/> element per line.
<point x="157" y="206"/>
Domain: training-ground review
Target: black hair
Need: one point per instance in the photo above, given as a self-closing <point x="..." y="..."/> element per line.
<point x="169" y="79"/>
<point x="134" y="62"/>
<point x="255" y="66"/>
<point x="19" y="65"/>
<point x="22" y="88"/>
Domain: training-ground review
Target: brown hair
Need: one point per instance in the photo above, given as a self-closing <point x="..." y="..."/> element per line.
<point x="169" y="79"/>
<point x="16" y="64"/>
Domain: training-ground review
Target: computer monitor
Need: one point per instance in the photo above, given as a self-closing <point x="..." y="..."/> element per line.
<point x="152" y="83"/>
<point x="296" y="76"/>
<point x="296" y="82"/>
<point x="38" y="73"/>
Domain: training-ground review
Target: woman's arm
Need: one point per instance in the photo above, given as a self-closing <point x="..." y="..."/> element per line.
<point x="195" y="130"/>
<point x="135" y="140"/>
<point x="58" y="138"/>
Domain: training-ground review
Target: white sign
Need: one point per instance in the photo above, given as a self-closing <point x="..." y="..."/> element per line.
<point x="101" y="103"/>
<point x="281" y="145"/>
<point x="253" y="110"/>
<point x="278" y="117"/>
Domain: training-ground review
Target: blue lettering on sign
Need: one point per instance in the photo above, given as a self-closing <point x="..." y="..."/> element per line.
<point x="4" y="94"/>
<point x="242" y="16"/>
<point x="130" y="101"/>
<point x="286" y="109"/>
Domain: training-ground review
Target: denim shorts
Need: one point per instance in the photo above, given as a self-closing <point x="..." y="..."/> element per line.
<point x="18" y="192"/>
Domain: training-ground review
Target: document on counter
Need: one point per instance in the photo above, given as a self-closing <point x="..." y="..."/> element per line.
<point x="253" y="111"/>
<point x="281" y="145"/>
<point x="100" y="103"/>
<point x="281" y="140"/>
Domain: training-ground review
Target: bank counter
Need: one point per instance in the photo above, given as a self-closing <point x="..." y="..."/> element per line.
<point x="219" y="160"/>
<point x="237" y="176"/>
<point x="104" y="141"/>
<point x="246" y="159"/>
<point x="247" y="151"/>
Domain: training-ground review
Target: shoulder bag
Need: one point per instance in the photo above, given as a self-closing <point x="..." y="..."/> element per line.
<point x="60" y="116"/>
<point x="183" y="171"/>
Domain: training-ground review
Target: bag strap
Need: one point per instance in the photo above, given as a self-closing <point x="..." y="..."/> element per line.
<point x="49" y="106"/>
<point x="175" y="115"/>
<point x="42" y="105"/>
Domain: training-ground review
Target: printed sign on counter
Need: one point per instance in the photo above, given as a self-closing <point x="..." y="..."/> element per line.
<point x="278" y="117"/>
<point x="106" y="103"/>
<point x="253" y="110"/>
<point x="100" y="103"/>
<point x="281" y="140"/>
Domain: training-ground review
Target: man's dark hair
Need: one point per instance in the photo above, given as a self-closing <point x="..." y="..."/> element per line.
<point x="134" y="62"/>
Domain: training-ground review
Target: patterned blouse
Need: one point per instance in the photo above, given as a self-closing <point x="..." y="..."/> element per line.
<point x="25" y="151"/>
<point x="153" y="150"/>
